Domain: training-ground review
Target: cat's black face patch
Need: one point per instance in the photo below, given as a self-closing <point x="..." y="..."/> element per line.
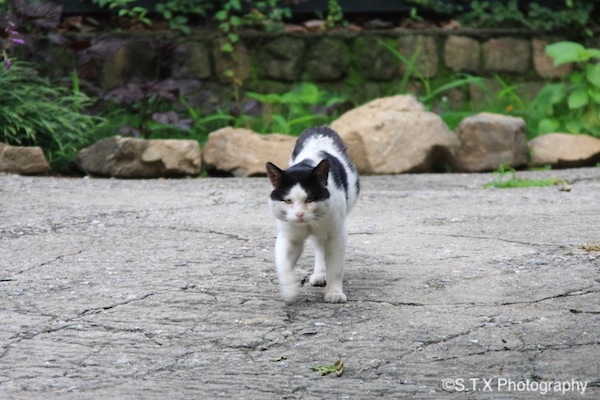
<point x="302" y="174"/>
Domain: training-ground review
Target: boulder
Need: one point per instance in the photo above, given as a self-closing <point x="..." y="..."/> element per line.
<point x="564" y="150"/>
<point x="242" y="153"/>
<point x="489" y="140"/>
<point x="122" y="157"/>
<point x="23" y="160"/>
<point x="392" y="135"/>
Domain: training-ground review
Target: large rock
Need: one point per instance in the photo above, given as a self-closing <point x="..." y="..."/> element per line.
<point x="564" y="150"/>
<point x="489" y="140"/>
<point x="241" y="152"/>
<point x="392" y="135"/>
<point x="23" y="160"/>
<point x="122" y="157"/>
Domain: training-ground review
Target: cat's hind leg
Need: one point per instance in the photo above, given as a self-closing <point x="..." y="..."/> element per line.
<point x="318" y="276"/>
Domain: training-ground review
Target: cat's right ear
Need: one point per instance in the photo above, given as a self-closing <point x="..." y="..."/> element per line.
<point x="274" y="173"/>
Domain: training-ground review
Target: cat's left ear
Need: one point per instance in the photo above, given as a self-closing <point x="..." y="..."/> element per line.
<point x="321" y="172"/>
<point x="274" y="173"/>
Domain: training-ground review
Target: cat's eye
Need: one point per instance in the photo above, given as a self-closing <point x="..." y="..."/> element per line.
<point x="287" y="201"/>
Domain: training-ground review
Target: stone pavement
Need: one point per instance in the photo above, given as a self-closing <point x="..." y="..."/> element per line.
<point x="165" y="289"/>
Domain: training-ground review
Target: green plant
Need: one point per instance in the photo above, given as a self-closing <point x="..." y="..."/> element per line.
<point x="36" y="112"/>
<point x="122" y="7"/>
<point x="178" y="12"/>
<point x="430" y="94"/>
<point x="337" y="368"/>
<point x="267" y="15"/>
<point x="294" y="111"/>
<point x="548" y="16"/>
<point x="229" y="22"/>
<point x="335" y="15"/>
<point x="505" y="177"/>
<point x="574" y="104"/>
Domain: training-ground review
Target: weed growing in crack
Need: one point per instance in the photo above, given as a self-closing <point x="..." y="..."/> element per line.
<point x="506" y="177"/>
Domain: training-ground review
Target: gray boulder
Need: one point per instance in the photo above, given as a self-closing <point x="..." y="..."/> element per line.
<point x="392" y="135"/>
<point x="122" y="157"/>
<point x="564" y="150"/>
<point x="23" y="160"/>
<point x="489" y="140"/>
<point x="241" y="153"/>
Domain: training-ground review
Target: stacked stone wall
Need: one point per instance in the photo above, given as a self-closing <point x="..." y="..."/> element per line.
<point x="356" y="63"/>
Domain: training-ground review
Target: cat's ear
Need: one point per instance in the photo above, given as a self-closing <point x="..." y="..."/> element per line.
<point x="274" y="173"/>
<point x="321" y="172"/>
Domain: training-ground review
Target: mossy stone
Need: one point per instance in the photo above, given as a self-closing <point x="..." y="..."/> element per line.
<point x="328" y="60"/>
<point x="373" y="60"/>
<point x="281" y="59"/>
<point x="191" y="60"/>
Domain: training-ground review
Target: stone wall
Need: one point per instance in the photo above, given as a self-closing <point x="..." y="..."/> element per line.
<point x="355" y="62"/>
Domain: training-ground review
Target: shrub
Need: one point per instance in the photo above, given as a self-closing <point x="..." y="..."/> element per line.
<point x="574" y="104"/>
<point x="35" y="112"/>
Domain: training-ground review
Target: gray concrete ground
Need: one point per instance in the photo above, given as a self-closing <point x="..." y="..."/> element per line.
<point x="165" y="289"/>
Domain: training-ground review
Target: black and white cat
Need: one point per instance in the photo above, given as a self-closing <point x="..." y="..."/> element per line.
<point x="312" y="198"/>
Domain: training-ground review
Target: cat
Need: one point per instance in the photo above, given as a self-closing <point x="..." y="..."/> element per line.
<point x="311" y="199"/>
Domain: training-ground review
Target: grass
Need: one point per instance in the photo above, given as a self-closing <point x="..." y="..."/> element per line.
<point x="506" y="177"/>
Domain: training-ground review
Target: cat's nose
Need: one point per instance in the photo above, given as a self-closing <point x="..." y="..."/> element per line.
<point x="299" y="215"/>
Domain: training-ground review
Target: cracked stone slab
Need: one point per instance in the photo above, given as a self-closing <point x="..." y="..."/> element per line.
<point x="167" y="289"/>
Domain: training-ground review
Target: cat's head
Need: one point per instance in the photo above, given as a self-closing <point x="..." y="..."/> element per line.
<point x="299" y="193"/>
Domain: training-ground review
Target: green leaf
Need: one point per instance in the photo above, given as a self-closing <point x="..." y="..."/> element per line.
<point x="233" y="37"/>
<point x="235" y="21"/>
<point x="576" y="77"/>
<point x="547" y="97"/>
<point x="337" y="367"/>
<point x="592" y="73"/>
<point x="548" y="125"/>
<point x="591" y="120"/>
<point x="594" y="93"/>
<point x="578" y="98"/>
<point x="573" y="126"/>
<point x="227" y="48"/>
<point x="565" y="52"/>
<point x="221" y="15"/>
<point x="593" y="53"/>
<point x="280" y="124"/>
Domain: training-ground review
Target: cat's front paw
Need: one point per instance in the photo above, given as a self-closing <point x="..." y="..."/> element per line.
<point x="317" y="279"/>
<point x="289" y="293"/>
<point x="335" y="297"/>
